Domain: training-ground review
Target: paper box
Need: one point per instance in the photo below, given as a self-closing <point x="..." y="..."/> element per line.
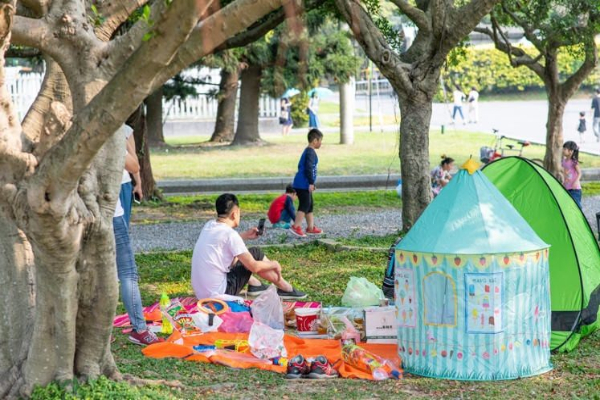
<point x="381" y="325"/>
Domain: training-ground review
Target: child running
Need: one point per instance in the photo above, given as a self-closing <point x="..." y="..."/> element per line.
<point x="282" y="211"/>
<point x="572" y="171"/>
<point x="304" y="184"/>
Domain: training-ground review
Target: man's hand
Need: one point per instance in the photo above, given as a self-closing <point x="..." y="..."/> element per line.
<point x="311" y="188"/>
<point x="250" y="234"/>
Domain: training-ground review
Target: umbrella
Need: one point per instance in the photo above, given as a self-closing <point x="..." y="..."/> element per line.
<point x="290" y="93"/>
<point x="321" y="92"/>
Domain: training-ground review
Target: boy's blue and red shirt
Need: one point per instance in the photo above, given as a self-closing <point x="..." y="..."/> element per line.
<point x="307" y="169"/>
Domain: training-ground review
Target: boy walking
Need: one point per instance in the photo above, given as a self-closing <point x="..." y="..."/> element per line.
<point x="304" y="184"/>
<point x="282" y="211"/>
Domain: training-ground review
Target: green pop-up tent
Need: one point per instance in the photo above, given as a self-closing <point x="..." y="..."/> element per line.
<point x="575" y="257"/>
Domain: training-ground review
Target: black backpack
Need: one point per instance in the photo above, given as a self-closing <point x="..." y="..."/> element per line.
<point x="390" y="270"/>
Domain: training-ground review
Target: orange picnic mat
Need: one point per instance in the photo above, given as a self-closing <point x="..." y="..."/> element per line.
<point x="179" y="346"/>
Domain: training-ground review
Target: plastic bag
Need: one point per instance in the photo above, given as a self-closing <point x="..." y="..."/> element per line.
<point x="266" y="342"/>
<point x="236" y="322"/>
<point x="267" y="309"/>
<point x="361" y="293"/>
<point x="204" y="323"/>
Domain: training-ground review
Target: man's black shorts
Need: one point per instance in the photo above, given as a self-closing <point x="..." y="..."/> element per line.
<point x="238" y="276"/>
<point x="305" y="200"/>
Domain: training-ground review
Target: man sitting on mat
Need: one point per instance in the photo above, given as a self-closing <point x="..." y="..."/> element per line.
<point x="221" y="263"/>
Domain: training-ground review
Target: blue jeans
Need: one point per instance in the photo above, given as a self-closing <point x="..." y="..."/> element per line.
<point x="459" y="110"/>
<point x="128" y="275"/>
<point x="576" y="195"/>
<point x="285" y="217"/>
<point x="126" y="196"/>
<point x="313" y="120"/>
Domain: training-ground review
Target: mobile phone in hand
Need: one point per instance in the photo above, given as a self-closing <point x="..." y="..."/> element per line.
<point x="261" y="226"/>
<point x="136" y="198"/>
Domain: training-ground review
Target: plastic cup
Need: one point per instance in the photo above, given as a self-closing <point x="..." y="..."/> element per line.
<point x="307" y="319"/>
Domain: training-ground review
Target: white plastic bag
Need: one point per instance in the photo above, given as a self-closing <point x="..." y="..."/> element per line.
<point x="361" y="293"/>
<point x="202" y="322"/>
<point x="267" y="309"/>
<point x="266" y="342"/>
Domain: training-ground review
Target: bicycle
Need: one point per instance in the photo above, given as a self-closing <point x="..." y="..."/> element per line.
<point x="488" y="154"/>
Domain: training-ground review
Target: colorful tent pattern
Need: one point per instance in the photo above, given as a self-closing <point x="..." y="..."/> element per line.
<point x="575" y="257"/>
<point x="472" y="288"/>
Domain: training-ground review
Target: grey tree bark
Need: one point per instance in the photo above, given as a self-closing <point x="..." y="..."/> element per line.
<point x="57" y="199"/>
<point x="247" y="126"/>
<point x="414" y="76"/>
<point x="227" y="97"/>
<point x="154" y="118"/>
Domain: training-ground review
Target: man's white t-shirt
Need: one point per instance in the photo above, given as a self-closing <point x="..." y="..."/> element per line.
<point x="214" y="252"/>
<point x="473" y="96"/>
<point x="458" y="97"/>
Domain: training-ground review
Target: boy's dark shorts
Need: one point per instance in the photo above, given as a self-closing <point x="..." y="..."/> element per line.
<point x="238" y="276"/>
<point x="305" y="200"/>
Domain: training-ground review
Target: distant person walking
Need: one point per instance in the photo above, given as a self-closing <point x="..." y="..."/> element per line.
<point x="313" y="110"/>
<point x="582" y="127"/>
<point x="285" y="116"/>
<point x="596" y="115"/>
<point x="572" y="171"/>
<point x="473" y="100"/>
<point x="458" y="97"/>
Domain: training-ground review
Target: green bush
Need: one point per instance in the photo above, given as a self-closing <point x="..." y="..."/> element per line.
<point x="489" y="71"/>
<point x="299" y="105"/>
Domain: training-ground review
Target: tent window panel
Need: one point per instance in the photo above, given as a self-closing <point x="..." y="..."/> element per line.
<point x="439" y="298"/>
<point x="483" y="300"/>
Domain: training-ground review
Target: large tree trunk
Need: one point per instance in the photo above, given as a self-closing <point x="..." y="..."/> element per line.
<point x="247" y="126"/>
<point x="140" y="132"/>
<point x="414" y="156"/>
<point x="153" y="118"/>
<point x="554" y="132"/>
<point x="227" y="97"/>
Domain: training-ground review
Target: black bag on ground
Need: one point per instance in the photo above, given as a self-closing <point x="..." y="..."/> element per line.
<point x="390" y="271"/>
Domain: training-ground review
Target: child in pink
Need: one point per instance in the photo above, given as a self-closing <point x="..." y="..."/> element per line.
<point x="572" y="171"/>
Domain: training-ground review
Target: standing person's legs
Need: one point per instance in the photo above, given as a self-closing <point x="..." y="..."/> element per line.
<point x="576" y="195"/>
<point x="126" y="196"/>
<point x="303" y="208"/>
<point x="596" y="128"/>
<point x="461" y="113"/>
<point x="310" y="222"/>
<point x="128" y="275"/>
<point x="454" y="110"/>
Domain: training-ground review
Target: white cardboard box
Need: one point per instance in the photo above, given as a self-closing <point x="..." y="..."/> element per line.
<point x="381" y="325"/>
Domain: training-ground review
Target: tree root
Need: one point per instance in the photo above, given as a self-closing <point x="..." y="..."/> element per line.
<point x="134" y="380"/>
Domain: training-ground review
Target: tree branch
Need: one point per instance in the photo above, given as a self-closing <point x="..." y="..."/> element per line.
<point x="61" y="168"/>
<point x="417" y="16"/>
<point x="116" y="12"/>
<point x="215" y="30"/>
<point x="570" y="86"/>
<point x="29" y="32"/>
<point x="527" y="29"/>
<point x="374" y="43"/>
<point x="255" y="32"/>
<point x="463" y="19"/>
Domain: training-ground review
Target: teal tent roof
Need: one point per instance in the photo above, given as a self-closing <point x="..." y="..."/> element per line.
<point x="470" y="216"/>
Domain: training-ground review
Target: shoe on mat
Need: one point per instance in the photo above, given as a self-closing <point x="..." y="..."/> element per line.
<point x="282" y="225"/>
<point x="293" y="295"/>
<point x="256" y="290"/>
<point x="320" y="368"/>
<point x="297" y="230"/>
<point x="297" y="368"/>
<point x="314" y="231"/>
<point x="144" y="338"/>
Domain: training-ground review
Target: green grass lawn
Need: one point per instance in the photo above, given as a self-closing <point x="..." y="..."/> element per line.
<point x="372" y="153"/>
<point x="323" y="275"/>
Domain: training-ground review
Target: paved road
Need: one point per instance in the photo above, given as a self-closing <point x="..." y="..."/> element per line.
<point x="524" y="120"/>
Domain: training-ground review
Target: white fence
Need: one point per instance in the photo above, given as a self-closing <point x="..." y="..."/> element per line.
<point x="24" y="88"/>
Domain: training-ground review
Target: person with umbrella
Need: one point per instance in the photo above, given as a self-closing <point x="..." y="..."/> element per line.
<point x="285" y="116"/>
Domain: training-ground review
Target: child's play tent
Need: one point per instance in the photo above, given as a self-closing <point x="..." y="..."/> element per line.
<point x="472" y="287"/>
<point x="574" y="257"/>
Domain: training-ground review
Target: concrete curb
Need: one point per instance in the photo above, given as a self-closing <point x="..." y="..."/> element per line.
<point x="278" y="184"/>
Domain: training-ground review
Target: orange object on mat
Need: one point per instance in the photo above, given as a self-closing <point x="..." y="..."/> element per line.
<point x="182" y="347"/>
